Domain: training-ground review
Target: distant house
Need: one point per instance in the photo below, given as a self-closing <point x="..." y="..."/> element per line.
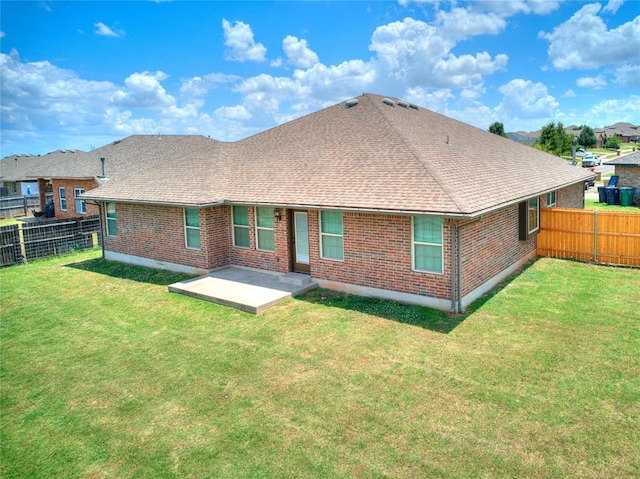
<point x="14" y="180"/>
<point x="73" y="173"/>
<point x="374" y="196"/>
<point x="627" y="168"/>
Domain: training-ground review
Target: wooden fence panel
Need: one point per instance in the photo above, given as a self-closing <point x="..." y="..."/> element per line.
<point x="619" y="238"/>
<point x="13" y="206"/>
<point x="586" y="235"/>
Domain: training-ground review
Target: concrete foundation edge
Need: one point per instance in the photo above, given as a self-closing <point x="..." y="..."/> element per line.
<point x="435" y="303"/>
<point x="151" y="263"/>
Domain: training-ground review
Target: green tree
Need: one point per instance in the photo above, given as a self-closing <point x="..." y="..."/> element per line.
<point x="587" y="137"/>
<point x="497" y="128"/>
<point x="612" y="142"/>
<point x="553" y="139"/>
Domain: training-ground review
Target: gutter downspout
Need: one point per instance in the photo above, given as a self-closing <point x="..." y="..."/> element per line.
<point x="101" y="206"/>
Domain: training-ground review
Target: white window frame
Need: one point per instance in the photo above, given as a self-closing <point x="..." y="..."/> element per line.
<point x="111" y="220"/>
<point x="77" y="201"/>
<point x="264" y="228"/>
<point x="323" y="234"/>
<point x="187" y="227"/>
<point x="62" y="195"/>
<point x="552" y="194"/>
<point x="235" y="225"/>
<point x="537" y="210"/>
<point x="414" y="243"/>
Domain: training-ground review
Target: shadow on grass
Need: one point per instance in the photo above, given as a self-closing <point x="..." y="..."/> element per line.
<point x="139" y="274"/>
<point x="414" y="315"/>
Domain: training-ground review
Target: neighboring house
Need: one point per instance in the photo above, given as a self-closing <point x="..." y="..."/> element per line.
<point x="14" y="180"/>
<point x="372" y="196"/>
<point x="628" y="170"/>
<point x="76" y="173"/>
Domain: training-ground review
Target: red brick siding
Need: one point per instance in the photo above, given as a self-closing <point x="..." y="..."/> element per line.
<point x="491" y="245"/>
<point x="157" y="233"/>
<point x="70" y="185"/>
<point x="570" y="197"/>
<point x="278" y="260"/>
<point x="629" y="175"/>
<point x="377" y="254"/>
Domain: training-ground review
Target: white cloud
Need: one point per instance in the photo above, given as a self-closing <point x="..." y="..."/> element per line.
<point x="414" y="53"/>
<point x="237" y="112"/>
<point x="569" y="94"/>
<point x="608" y="112"/>
<point x="143" y="90"/>
<point x="596" y="82"/>
<point x="523" y="99"/>
<point x="2" y="34"/>
<point x="584" y="41"/>
<point x="628" y="76"/>
<point x="298" y="53"/>
<point x="238" y="38"/>
<point x="105" y="31"/>
<point x="613" y="6"/>
<point x="466" y="70"/>
<point x="460" y="23"/>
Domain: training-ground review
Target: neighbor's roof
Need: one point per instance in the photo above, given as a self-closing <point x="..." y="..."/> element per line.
<point x="372" y="156"/>
<point x="17" y="167"/>
<point x="122" y="158"/>
<point x="632" y="159"/>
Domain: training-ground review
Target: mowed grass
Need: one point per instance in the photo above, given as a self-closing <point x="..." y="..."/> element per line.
<point x="105" y="374"/>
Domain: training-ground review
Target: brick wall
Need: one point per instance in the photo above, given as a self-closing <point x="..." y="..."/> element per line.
<point x="569" y="197"/>
<point x="377" y="254"/>
<point x="278" y="260"/>
<point x="629" y="175"/>
<point x="157" y="233"/>
<point x="491" y="245"/>
<point x="69" y="185"/>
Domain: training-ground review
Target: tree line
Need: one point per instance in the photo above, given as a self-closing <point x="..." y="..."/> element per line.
<point x="553" y="139"/>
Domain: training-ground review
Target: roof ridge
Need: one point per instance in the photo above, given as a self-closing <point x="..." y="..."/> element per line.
<point x="435" y="175"/>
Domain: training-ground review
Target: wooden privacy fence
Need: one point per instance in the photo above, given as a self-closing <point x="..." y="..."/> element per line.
<point x="13" y="206"/>
<point x="609" y="237"/>
<point x="47" y="238"/>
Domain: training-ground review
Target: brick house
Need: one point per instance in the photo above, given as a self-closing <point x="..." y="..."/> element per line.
<point x="75" y="172"/>
<point x="372" y="196"/>
<point x="628" y="170"/>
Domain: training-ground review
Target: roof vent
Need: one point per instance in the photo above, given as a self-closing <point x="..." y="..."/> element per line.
<point x="403" y="104"/>
<point x="63" y="151"/>
<point x="411" y="105"/>
<point x="116" y="142"/>
<point x="351" y="103"/>
<point x="388" y="101"/>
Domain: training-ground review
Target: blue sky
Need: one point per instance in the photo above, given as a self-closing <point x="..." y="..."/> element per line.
<point x="77" y="75"/>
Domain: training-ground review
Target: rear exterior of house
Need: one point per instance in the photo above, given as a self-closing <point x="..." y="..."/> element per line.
<point x="375" y="197"/>
<point x="401" y="257"/>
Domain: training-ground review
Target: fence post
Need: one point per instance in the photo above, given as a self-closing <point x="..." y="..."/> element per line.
<point x="26" y="206"/>
<point x="595" y="236"/>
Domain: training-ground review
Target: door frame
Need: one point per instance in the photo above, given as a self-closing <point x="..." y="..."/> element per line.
<point x="295" y="266"/>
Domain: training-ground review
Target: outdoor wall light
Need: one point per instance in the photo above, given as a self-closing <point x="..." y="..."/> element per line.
<point x="277" y="214"/>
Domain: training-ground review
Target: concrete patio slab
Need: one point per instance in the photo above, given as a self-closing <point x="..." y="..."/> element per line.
<point x="249" y="290"/>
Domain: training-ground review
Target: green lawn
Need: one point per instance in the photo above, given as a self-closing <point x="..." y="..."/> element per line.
<point x="105" y="374"/>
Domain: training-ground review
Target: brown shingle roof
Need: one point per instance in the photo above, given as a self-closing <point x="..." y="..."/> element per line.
<point x="371" y="156"/>
<point x="122" y="158"/>
<point x="632" y="159"/>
